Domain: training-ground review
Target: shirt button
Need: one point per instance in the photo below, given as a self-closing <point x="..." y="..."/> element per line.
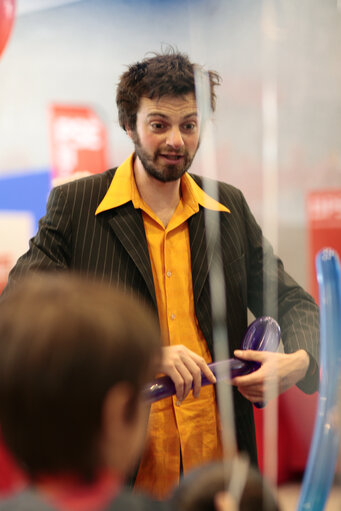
<point x="169" y="273"/>
<point x="172" y="316"/>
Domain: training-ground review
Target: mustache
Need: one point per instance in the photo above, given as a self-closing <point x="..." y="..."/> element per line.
<point x="171" y="151"/>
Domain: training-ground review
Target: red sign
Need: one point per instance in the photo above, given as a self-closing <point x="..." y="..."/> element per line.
<point x="7" y="11"/>
<point x="78" y="142"/>
<point x="324" y="224"/>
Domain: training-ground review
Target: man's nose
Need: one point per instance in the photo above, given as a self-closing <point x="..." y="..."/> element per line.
<point x="174" y="137"/>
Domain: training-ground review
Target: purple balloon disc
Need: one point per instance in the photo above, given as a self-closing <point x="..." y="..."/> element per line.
<point x="263" y="335"/>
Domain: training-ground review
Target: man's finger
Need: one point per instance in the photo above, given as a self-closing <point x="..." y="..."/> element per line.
<point x="252" y="379"/>
<point x="186" y="381"/>
<point x="195" y="371"/>
<point x="252" y="394"/>
<point x="179" y="382"/>
<point x="206" y="370"/>
<point x="256" y="356"/>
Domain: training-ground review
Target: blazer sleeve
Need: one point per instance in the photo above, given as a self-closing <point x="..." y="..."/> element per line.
<point x="297" y="312"/>
<point x="50" y="248"/>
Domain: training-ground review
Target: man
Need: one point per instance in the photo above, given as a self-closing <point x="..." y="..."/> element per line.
<point x="75" y="357"/>
<point x="142" y="225"/>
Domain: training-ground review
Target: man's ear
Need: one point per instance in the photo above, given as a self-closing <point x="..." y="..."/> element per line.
<point x="129" y="132"/>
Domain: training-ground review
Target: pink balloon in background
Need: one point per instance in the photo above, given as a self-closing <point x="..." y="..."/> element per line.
<point x="7" y="11"/>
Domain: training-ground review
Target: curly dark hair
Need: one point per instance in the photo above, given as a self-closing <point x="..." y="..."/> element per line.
<point x="167" y="74"/>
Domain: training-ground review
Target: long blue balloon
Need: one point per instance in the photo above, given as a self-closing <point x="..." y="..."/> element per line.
<point x="320" y="469"/>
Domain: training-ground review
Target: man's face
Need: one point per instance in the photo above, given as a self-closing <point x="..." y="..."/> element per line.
<point x="166" y="137"/>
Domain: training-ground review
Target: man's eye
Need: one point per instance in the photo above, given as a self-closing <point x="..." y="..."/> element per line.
<point x="190" y="126"/>
<point x="157" y="125"/>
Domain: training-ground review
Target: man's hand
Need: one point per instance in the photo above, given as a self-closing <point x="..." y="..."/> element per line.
<point x="184" y="367"/>
<point x="278" y="372"/>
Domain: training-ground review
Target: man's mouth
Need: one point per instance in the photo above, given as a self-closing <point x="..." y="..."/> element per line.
<point x="172" y="157"/>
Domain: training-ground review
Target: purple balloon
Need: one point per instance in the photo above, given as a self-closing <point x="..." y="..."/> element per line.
<point x="262" y="335"/>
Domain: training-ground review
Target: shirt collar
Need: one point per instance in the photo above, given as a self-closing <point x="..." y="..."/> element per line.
<point x="123" y="189"/>
<point x="119" y="191"/>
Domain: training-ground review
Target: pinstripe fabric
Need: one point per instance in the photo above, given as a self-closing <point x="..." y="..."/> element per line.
<point x="113" y="246"/>
<point x="242" y="252"/>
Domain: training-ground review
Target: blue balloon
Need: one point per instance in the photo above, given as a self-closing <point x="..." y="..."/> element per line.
<point x="320" y="469"/>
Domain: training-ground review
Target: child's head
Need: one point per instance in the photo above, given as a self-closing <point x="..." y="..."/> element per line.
<point x="205" y="489"/>
<point x="74" y="357"/>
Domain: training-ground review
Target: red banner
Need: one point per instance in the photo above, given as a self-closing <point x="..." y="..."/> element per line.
<point x="324" y="227"/>
<point x="78" y="142"/>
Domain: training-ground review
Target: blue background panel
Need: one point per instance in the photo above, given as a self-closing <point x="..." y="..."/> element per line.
<point x="26" y="192"/>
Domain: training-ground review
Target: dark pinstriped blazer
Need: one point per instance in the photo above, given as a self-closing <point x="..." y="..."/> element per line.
<point x="113" y="246"/>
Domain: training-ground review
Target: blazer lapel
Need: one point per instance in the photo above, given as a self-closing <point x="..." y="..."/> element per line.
<point x="203" y="243"/>
<point x="127" y="223"/>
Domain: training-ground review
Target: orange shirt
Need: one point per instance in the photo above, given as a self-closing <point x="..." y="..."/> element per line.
<point x="193" y="427"/>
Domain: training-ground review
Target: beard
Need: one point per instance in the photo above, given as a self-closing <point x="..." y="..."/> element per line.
<point x="162" y="172"/>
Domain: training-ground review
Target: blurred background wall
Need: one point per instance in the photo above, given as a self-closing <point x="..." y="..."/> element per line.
<point x="72" y="52"/>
